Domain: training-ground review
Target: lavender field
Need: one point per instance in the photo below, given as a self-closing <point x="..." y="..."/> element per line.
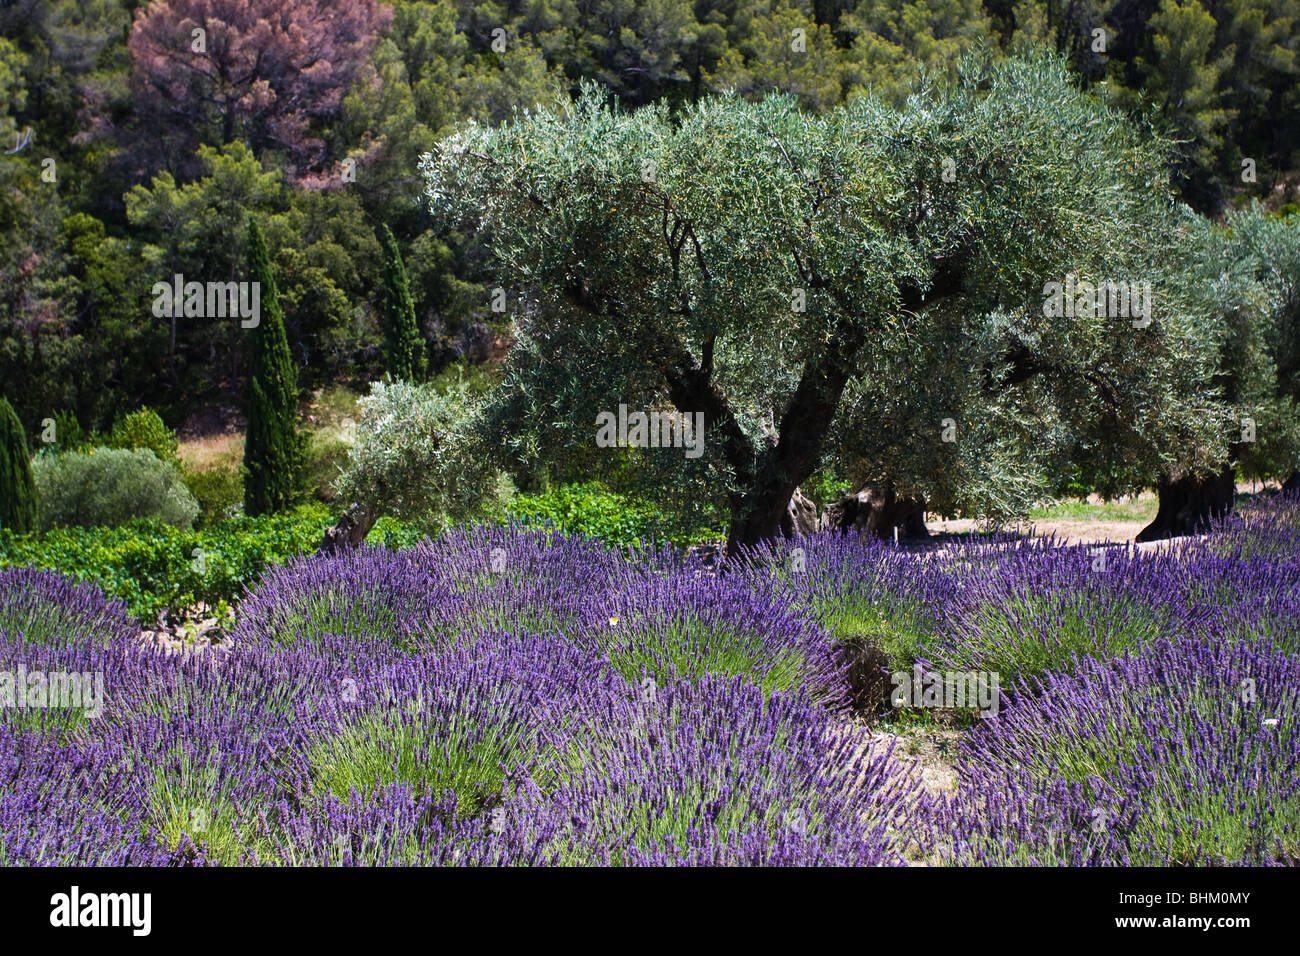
<point x="515" y="696"/>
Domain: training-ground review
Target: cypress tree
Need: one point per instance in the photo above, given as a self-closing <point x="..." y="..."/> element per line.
<point x="17" y="488"/>
<point x="403" y="345"/>
<point x="272" y="447"/>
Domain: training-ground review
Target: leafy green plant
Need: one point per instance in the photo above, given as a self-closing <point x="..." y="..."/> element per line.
<point x="589" y="508"/>
<point x="154" y="567"/>
<point x="325" y="458"/>
<point x="144" y="429"/>
<point x="110" y="487"/>
<point x="219" y="490"/>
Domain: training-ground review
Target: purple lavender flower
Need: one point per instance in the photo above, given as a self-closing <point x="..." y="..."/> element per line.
<point x="1184" y="752"/>
<point x="47" y="608"/>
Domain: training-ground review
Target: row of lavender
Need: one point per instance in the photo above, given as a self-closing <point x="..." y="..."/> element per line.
<point x="507" y="695"/>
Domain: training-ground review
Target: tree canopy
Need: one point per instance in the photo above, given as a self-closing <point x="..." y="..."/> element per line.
<point x="872" y="273"/>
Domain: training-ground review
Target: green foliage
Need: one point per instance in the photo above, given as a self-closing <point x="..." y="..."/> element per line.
<point x="893" y="41"/>
<point x="453" y="756"/>
<point x="108" y="278"/>
<point x="70" y="436"/>
<point x="920" y="293"/>
<point x="1243" y="277"/>
<point x="219" y="490"/>
<point x="18" y="498"/>
<point x="403" y="344"/>
<point x="272" y="447"/>
<point x="155" y="567"/>
<point x="774" y="57"/>
<point x="326" y="457"/>
<point x="1183" y="80"/>
<point x="110" y="487"/>
<point x="1142" y="509"/>
<point x="80" y="252"/>
<point x="144" y="429"/>
<point x="1008" y="637"/>
<point x="616" y="520"/>
<point x="415" y="457"/>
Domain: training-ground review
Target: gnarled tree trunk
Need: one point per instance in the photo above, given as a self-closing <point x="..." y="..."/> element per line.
<point x="1190" y="503"/>
<point x="878" y="513"/>
<point x="1291" y="487"/>
<point x="350" y="530"/>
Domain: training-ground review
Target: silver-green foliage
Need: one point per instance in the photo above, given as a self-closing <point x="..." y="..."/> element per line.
<point x="416" y="457"/>
<point x="109" y="487"/>
<point x="656" y="260"/>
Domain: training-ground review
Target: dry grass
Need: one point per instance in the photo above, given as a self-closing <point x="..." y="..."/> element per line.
<point x="212" y="451"/>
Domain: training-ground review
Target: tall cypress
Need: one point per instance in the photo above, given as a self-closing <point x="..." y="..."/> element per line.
<point x="273" y="450"/>
<point x="404" y="348"/>
<point x="17" y="487"/>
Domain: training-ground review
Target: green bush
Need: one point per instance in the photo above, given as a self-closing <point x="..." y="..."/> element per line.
<point x="219" y="490"/>
<point x="416" y="458"/>
<point x="615" y="519"/>
<point x="154" y="567"/>
<point x="326" y="458"/>
<point x="144" y="429"/>
<point x="110" y="487"/>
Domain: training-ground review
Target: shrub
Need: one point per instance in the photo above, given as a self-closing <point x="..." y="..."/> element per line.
<point x="61" y="807"/>
<point x="681" y="625"/>
<point x="155" y="567"/>
<point x="109" y="487"/>
<point x="714" y="772"/>
<point x="466" y="720"/>
<point x="144" y="429"/>
<point x="1183" y="753"/>
<point x="325" y="458"/>
<point x="365" y="595"/>
<point x="207" y="743"/>
<point x="1027" y="611"/>
<point x="49" y="609"/>
<point x="219" y="490"/>
<point x="615" y="519"/>
<point x="414" y="459"/>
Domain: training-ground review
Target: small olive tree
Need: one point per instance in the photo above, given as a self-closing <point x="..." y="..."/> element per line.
<point x="416" y="457"/>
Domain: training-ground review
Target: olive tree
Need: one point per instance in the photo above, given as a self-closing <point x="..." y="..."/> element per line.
<point x="1243" y="277"/>
<point x="414" y="456"/>
<point x="866" y="289"/>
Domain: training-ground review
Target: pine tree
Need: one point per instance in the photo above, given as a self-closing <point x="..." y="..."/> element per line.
<point x="1182" y="79"/>
<point x="403" y="345"/>
<point x="272" y="447"/>
<point x="17" y="489"/>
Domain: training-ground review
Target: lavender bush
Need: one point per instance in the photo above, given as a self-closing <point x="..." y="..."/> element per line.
<point x="1182" y="753"/>
<point x="46" y="608"/>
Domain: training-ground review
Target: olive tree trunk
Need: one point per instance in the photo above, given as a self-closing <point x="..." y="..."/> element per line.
<point x="350" y="530"/>
<point x="1191" y="503"/>
<point x="878" y="513"/>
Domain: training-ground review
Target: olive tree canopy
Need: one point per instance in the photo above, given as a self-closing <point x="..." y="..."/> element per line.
<point x="863" y="290"/>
